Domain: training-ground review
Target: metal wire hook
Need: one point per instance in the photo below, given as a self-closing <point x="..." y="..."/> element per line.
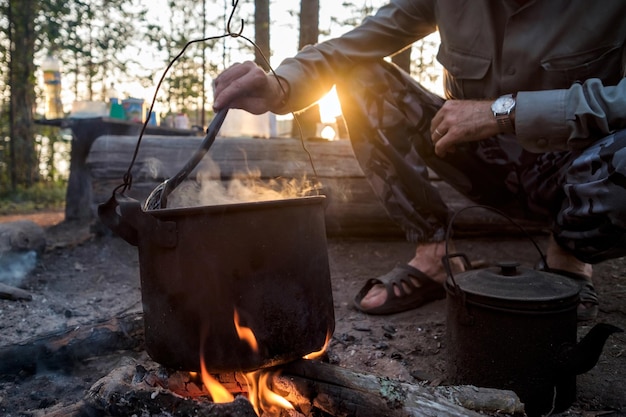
<point x="230" y="18"/>
<point x="128" y="178"/>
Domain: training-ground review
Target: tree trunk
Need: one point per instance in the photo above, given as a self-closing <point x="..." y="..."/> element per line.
<point x="262" y="33"/>
<point x="309" y="33"/>
<point x="22" y="84"/>
<point x="309" y="22"/>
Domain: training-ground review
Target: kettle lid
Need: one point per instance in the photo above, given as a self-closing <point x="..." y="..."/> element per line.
<point x="507" y="285"/>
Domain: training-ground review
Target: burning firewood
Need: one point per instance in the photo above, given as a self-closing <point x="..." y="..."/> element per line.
<point x="339" y="391"/>
<point x="312" y="387"/>
<point x="152" y="390"/>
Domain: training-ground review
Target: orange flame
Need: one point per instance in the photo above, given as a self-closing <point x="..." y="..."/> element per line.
<point x="261" y="396"/>
<point x="245" y="333"/>
<point x="319" y="353"/>
<point x="218" y="392"/>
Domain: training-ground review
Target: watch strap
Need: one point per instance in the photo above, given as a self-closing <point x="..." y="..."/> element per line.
<point x="505" y="123"/>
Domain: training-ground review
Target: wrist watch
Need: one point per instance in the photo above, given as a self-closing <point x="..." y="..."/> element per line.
<point x="502" y="108"/>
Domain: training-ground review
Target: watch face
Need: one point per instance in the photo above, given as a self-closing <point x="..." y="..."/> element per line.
<point x="503" y="104"/>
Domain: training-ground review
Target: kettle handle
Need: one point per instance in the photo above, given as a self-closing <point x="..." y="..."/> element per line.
<point x="446" y="258"/>
<point x="130" y="222"/>
<point x="446" y="265"/>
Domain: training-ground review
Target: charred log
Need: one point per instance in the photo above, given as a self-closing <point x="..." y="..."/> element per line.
<point x="136" y="390"/>
<point x="339" y="391"/>
<point x="61" y="350"/>
<point x="8" y="292"/>
<point x="314" y="388"/>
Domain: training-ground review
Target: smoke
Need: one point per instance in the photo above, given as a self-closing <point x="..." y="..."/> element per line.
<point x="242" y="188"/>
<point x="15" y="266"/>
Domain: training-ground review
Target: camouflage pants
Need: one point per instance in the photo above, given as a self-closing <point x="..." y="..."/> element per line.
<point x="388" y="117"/>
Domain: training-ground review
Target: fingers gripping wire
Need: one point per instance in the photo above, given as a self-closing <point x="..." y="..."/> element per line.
<point x="280" y="84"/>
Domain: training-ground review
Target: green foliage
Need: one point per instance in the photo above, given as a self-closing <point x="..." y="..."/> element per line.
<point x="90" y="37"/>
<point x="186" y="84"/>
<point x="51" y="147"/>
<point x="41" y="196"/>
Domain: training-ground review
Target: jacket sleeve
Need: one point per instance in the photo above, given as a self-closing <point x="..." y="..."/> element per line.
<point x="569" y="119"/>
<point x="312" y="72"/>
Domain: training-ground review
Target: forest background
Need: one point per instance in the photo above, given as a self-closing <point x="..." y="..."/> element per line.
<point x="122" y="47"/>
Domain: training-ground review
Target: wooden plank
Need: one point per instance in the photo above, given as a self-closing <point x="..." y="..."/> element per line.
<point x="160" y="158"/>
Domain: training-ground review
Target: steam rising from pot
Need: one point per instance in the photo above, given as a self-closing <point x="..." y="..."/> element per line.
<point x="243" y="187"/>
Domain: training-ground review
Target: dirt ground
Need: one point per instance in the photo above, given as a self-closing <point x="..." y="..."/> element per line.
<point x="82" y="278"/>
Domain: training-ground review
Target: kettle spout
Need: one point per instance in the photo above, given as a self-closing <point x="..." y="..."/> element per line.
<point x="582" y="357"/>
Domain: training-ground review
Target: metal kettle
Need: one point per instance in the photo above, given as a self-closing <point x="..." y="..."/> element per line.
<point x="511" y="327"/>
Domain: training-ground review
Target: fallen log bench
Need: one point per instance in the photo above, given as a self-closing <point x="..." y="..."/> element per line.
<point x="352" y="208"/>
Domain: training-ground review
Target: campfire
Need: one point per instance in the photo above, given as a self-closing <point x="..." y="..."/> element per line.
<point x="258" y="382"/>
<point x="304" y="388"/>
<point x="137" y="388"/>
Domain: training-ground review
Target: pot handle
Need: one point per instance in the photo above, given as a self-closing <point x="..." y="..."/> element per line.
<point x="447" y="256"/>
<point x="124" y="216"/>
<point x="446" y="265"/>
<point x="110" y="216"/>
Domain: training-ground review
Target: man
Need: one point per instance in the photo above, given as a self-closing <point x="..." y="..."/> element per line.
<point x="533" y="124"/>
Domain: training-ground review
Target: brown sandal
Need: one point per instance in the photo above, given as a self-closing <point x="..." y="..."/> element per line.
<point x="401" y="277"/>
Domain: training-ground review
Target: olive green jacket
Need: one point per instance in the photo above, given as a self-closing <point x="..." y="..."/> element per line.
<point x="565" y="60"/>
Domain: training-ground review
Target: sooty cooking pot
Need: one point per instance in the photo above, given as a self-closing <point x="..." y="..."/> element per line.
<point x="510" y="327"/>
<point x="266" y="260"/>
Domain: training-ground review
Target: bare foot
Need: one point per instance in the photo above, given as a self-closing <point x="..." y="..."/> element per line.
<point x="428" y="260"/>
<point x="558" y="258"/>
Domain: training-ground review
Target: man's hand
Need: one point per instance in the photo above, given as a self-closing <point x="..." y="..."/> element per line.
<point x="246" y="86"/>
<point x="460" y="121"/>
